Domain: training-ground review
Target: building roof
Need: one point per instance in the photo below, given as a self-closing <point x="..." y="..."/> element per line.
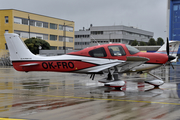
<point x="36" y="14"/>
<point x="121" y="27"/>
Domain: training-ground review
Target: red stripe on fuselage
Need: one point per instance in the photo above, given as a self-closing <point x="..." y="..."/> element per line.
<point x="56" y="66"/>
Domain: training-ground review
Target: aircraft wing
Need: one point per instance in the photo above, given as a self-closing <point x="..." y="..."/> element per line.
<point x="131" y="62"/>
<point x="123" y="66"/>
<point x="102" y="67"/>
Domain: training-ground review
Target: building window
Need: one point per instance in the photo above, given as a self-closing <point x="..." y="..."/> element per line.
<point x="70" y="39"/>
<point x="69" y="48"/>
<point x="39" y="37"/>
<point x="17" y="20"/>
<point x="25" y="35"/>
<point x="60" y="27"/>
<point x="68" y="28"/>
<point x="53" y="47"/>
<point x="6" y="31"/>
<point x="53" y="26"/>
<point x="39" y="24"/>
<point x="6" y="19"/>
<point x="81" y="36"/>
<point x="17" y="32"/>
<point x="32" y="22"/>
<point x="97" y="32"/>
<point x="60" y="48"/>
<point x="45" y="37"/>
<point x="24" y="21"/>
<point x="61" y="38"/>
<point x="53" y="37"/>
<point x="45" y="25"/>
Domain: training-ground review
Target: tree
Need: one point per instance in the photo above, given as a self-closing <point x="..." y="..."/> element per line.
<point x="152" y="42"/>
<point x="134" y="43"/>
<point x="142" y="43"/>
<point x="160" y="41"/>
<point x="34" y="43"/>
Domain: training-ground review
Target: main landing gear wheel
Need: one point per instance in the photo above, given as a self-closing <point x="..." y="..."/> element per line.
<point x="115" y="84"/>
<point x="113" y="80"/>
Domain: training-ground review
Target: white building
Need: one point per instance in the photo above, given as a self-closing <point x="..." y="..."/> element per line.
<point x="107" y="34"/>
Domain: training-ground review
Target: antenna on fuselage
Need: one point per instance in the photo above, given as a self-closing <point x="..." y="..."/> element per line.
<point x="95" y="40"/>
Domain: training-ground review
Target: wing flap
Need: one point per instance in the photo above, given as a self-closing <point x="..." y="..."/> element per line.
<point x="100" y="68"/>
<point x="103" y="67"/>
<point x="129" y="64"/>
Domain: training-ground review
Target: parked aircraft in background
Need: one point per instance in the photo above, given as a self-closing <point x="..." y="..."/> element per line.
<point x="114" y="58"/>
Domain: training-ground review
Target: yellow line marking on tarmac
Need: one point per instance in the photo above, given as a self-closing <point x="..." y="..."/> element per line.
<point x="11" y="119"/>
<point x="136" y="101"/>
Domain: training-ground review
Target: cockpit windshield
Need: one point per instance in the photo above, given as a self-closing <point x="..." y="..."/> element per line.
<point x="132" y="50"/>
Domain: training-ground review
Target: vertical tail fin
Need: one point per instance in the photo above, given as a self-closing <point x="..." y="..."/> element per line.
<point x="173" y="48"/>
<point x="18" y="50"/>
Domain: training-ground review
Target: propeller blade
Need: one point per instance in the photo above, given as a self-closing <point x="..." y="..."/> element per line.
<point x="167" y="47"/>
<point x="172" y="65"/>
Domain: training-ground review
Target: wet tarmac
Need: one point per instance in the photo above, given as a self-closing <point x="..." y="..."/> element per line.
<point x="69" y="96"/>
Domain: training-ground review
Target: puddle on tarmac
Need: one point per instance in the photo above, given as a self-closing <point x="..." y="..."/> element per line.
<point x="22" y="93"/>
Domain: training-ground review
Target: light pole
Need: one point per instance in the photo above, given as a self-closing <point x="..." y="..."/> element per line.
<point x="40" y="48"/>
<point x="29" y="25"/>
<point x="110" y="37"/>
<point x="81" y="43"/>
<point x="64" y="46"/>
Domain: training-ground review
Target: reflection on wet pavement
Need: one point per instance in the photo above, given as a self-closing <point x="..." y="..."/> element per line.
<point x="50" y="95"/>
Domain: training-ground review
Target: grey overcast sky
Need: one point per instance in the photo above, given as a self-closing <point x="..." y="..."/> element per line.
<point x="148" y="15"/>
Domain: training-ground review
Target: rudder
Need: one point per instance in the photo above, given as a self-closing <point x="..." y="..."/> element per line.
<point x="18" y="50"/>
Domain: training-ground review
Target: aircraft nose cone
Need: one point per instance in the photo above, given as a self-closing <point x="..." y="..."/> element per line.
<point x="171" y="58"/>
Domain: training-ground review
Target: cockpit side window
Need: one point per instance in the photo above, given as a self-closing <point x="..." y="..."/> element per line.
<point x="99" y="52"/>
<point x="132" y="50"/>
<point x="116" y="50"/>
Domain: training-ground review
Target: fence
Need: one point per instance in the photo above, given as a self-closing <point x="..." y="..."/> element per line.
<point x="4" y="58"/>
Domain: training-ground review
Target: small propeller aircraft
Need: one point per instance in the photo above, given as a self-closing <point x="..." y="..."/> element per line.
<point x="114" y="58"/>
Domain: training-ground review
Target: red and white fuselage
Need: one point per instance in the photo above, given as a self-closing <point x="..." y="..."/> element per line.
<point x="119" y="58"/>
<point x="88" y="60"/>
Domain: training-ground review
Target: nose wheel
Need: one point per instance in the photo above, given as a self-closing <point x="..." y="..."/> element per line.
<point x="157" y="82"/>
